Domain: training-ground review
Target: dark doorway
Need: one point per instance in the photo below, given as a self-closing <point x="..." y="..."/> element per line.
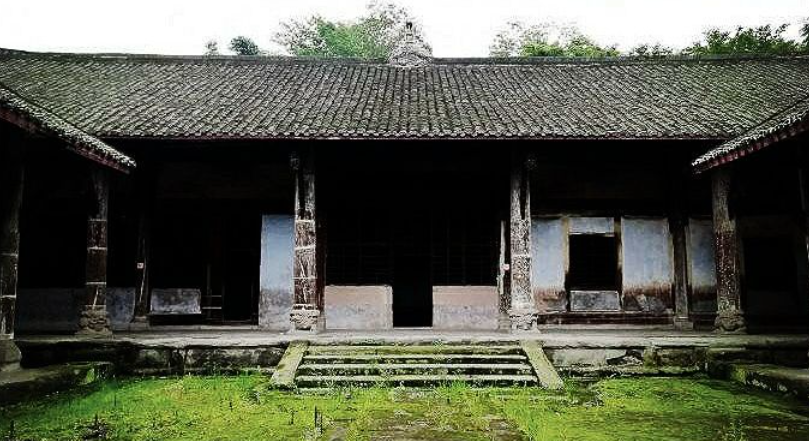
<point x="771" y="282"/>
<point x="411" y="222"/>
<point x="593" y="262"/>
<point x="212" y="248"/>
<point x="412" y="276"/>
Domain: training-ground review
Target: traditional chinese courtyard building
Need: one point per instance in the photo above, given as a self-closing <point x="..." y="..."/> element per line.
<point x="463" y="194"/>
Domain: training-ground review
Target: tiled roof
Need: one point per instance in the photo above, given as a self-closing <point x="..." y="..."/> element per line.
<point x="32" y="117"/>
<point x="784" y="124"/>
<point x="274" y="97"/>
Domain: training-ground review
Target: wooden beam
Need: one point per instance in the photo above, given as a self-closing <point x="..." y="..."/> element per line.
<point x="730" y="317"/>
<point x="94" y="319"/>
<point x="11" y="192"/>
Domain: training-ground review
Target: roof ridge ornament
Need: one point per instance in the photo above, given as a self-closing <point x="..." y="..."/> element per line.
<point x="411" y="51"/>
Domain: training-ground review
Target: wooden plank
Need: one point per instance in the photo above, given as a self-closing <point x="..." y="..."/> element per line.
<point x="284" y="375"/>
<point x="546" y="373"/>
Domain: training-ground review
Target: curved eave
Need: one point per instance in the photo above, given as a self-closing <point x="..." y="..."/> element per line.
<point x="34" y="119"/>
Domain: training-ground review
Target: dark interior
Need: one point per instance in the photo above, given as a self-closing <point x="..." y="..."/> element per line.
<point x="593" y="262"/>
<point x="410" y="227"/>
<point x="770" y="288"/>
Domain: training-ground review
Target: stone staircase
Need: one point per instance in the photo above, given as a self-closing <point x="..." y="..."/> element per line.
<point x="411" y="365"/>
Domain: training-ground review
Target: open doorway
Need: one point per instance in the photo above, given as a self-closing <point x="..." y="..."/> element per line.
<point x="410" y="229"/>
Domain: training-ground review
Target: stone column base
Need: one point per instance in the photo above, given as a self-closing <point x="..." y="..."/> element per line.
<point x="305" y="318"/>
<point x="503" y="322"/>
<point x="523" y="319"/>
<point x="730" y="322"/>
<point x="139" y="323"/>
<point x="10" y="355"/>
<point x="683" y="324"/>
<point x="94" y="321"/>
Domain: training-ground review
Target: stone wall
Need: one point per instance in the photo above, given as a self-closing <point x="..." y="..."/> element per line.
<point x="359" y="307"/>
<point x="465" y="307"/>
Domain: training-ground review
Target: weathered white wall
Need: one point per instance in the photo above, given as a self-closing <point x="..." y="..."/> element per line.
<point x="548" y="254"/>
<point x="465" y="307"/>
<point x="592" y="225"/>
<point x="358" y="307"/>
<point x="647" y="262"/>
<point x="276" y="280"/>
<point x="701" y="265"/>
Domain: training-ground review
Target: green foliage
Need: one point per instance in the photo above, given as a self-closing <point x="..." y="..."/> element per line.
<point x="805" y="34"/>
<point x="370" y="36"/>
<point x="544" y="40"/>
<point x="656" y="50"/>
<point x="212" y="48"/>
<point x="244" y="408"/>
<point x="242" y="45"/>
<point x="754" y="40"/>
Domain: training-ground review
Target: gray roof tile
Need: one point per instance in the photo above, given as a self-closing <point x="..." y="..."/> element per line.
<point x="784" y="124"/>
<point x="45" y="122"/>
<point x="271" y="97"/>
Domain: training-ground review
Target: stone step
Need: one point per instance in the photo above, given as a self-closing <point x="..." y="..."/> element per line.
<point x="415" y="349"/>
<point x="330" y="369"/>
<point x="412" y="380"/>
<point x="414" y="358"/>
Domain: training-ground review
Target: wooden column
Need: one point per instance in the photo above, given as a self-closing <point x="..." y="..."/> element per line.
<point x="522" y="310"/>
<point x="730" y="318"/>
<point x="94" y="319"/>
<point x="305" y="314"/>
<point x="11" y="188"/>
<point x="503" y="292"/>
<point x="678" y="225"/>
<point x="682" y="317"/>
<point x="145" y="191"/>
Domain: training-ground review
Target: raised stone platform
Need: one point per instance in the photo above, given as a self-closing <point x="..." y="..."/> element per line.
<point x="772" y="378"/>
<point x="222" y="349"/>
<point x="20" y="384"/>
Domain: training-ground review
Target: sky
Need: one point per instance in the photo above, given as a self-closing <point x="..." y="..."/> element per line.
<point x="454" y="28"/>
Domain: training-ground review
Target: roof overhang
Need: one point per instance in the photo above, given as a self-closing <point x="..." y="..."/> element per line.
<point x="784" y="125"/>
<point x="34" y="119"/>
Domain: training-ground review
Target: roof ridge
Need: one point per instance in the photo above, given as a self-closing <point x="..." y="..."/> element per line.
<point x="282" y="59"/>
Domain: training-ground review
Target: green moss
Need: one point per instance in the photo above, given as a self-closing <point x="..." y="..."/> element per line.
<point x="244" y="408"/>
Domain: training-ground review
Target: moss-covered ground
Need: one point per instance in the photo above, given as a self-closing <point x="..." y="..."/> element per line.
<point x="243" y="408"/>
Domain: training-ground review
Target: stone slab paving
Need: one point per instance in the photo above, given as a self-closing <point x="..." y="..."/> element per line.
<point x="579" y="338"/>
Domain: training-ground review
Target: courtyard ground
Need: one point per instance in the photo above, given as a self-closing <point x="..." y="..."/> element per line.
<point x="244" y="408"/>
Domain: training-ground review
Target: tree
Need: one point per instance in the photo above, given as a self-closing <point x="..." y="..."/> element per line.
<point x="546" y="39"/>
<point x="754" y="40"/>
<point x="656" y="50"/>
<point x="370" y="36"/>
<point x="212" y="48"/>
<point x="244" y="46"/>
<point x="805" y="35"/>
